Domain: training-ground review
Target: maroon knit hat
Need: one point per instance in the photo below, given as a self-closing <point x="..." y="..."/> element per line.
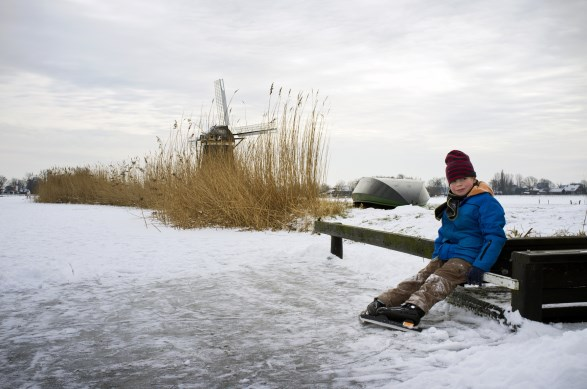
<point x="458" y="165"/>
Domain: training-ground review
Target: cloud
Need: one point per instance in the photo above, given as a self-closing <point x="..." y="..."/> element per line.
<point x="406" y="81"/>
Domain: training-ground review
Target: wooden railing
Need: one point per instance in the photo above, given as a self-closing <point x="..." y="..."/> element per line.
<point x="528" y="266"/>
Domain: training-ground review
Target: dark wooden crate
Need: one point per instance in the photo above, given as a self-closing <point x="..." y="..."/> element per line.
<point x="556" y="277"/>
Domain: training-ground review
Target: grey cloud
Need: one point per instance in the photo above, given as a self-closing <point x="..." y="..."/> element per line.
<point x="411" y="71"/>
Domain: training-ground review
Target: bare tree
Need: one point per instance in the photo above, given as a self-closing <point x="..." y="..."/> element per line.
<point x="32" y="183"/>
<point x="503" y="183"/>
<point x="2" y="182"/>
<point x="353" y="183"/>
<point x="519" y="180"/>
<point x="437" y="186"/>
<point x="16" y="183"/>
<point x="494" y="182"/>
<point x="530" y="182"/>
<point x="340" y="185"/>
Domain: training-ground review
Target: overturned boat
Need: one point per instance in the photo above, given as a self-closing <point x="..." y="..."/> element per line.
<point x="388" y="193"/>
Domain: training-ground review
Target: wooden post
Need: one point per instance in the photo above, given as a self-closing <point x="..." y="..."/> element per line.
<point x="336" y="246"/>
<point x="528" y="299"/>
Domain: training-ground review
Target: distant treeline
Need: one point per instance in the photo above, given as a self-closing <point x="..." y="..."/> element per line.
<point x="501" y="183"/>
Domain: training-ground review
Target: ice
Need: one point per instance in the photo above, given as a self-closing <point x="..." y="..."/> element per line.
<point x="97" y="296"/>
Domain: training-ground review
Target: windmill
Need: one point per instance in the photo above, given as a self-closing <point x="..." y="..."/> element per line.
<point x="221" y="138"/>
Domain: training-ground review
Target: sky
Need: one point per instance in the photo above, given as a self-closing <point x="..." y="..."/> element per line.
<point x="86" y="82"/>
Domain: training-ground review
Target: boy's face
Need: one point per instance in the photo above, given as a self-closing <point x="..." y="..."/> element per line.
<point x="462" y="186"/>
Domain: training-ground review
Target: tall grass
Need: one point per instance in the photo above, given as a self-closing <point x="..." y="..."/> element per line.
<point x="267" y="182"/>
<point x="113" y="185"/>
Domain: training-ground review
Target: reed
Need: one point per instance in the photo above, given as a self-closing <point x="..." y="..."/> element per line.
<point x="91" y="185"/>
<point x="268" y="182"/>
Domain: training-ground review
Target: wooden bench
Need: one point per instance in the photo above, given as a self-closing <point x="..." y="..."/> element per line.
<point x="538" y="271"/>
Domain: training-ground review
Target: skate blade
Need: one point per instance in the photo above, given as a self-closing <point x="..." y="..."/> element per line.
<point x="382" y="321"/>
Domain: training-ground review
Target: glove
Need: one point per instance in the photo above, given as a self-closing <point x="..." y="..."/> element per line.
<point x="475" y="276"/>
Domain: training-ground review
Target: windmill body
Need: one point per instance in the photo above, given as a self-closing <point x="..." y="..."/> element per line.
<point x="221" y="139"/>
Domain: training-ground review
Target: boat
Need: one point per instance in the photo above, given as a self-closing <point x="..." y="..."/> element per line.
<point x="388" y="193"/>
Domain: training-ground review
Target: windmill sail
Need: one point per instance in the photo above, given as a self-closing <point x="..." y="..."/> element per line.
<point x="220" y="139"/>
<point x="221" y="106"/>
<point x="254" y="129"/>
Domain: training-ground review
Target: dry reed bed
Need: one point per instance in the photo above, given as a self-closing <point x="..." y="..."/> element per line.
<point x="267" y="182"/>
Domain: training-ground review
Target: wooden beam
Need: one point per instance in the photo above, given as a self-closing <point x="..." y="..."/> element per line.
<point x="421" y="247"/>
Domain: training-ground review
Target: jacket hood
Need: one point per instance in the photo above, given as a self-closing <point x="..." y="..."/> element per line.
<point x="479" y="188"/>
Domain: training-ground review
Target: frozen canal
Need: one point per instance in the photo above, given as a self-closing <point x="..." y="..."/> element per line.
<point x="101" y="297"/>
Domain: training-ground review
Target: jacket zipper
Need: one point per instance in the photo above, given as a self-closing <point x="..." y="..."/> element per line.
<point x="484" y="251"/>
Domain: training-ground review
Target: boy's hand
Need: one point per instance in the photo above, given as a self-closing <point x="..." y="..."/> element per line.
<point x="475" y="276"/>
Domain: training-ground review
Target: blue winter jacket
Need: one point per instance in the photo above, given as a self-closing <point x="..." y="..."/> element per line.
<point x="476" y="234"/>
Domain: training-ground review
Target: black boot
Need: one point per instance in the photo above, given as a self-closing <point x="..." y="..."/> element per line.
<point x="405" y="312"/>
<point x="374" y="306"/>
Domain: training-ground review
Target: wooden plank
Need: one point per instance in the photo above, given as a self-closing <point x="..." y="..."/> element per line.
<point x="504" y="266"/>
<point x="564" y="314"/>
<point x="561" y="255"/>
<point x="407" y="244"/>
<point x="565" y="274"/>
<point x="564" y="295"/>
<point x="504" y="281"/>
<point x="421" y="247"/>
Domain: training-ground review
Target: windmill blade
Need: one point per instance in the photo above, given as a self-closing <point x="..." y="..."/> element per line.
<point x="257" y="132"/>
<point x="221" y="105"/>
<point x="254" y="129"/>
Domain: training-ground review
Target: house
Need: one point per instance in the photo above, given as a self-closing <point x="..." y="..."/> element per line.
<point x="9" y="189"/>
<point x="570" y="189"/>
<point x="344" y="191"/>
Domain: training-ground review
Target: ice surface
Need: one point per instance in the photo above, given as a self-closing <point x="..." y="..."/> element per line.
<point x="96" y="296"/>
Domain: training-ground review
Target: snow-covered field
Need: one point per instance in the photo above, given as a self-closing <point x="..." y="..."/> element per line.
<point x="96" y="296"/>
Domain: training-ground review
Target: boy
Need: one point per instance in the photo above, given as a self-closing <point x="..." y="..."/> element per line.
<point x="468" y="244"/>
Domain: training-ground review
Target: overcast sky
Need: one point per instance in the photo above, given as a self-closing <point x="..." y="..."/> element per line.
<point x="85" y="82"/>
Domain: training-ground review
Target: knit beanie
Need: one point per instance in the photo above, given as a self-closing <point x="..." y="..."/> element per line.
<point x="458" y="165"/>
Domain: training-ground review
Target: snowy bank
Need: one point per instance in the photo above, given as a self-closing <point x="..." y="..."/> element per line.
<point x="96" y="296"/>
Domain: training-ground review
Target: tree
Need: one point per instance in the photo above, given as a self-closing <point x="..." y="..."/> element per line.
<point x="340" y="185"/>
<point x="502" y="183"/>
<point x="2" y="182"/>
<point x="32" y="183"/>
<point x="544" y="185"/>
<point x="530" y="182"/>
<point x="519" y="180"/>
<point x="437" y="186"/>
<point x="494" y="182"/>
<point x="353" y="183"/>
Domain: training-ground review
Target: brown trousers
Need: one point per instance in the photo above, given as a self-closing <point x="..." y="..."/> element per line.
<point x="431" y="285"/>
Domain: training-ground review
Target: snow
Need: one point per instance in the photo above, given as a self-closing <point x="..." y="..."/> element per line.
<point x="103" y="296"/>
